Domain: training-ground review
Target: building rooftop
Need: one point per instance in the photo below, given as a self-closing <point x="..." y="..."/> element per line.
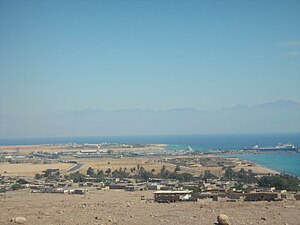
<point x="173" y="192"/>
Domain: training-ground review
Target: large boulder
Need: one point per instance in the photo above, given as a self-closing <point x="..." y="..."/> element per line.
<point x="223" y="219"/>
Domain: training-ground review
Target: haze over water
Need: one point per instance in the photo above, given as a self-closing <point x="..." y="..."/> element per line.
<point x="197" y="142"/>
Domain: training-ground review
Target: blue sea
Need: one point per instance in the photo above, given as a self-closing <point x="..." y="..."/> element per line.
<point x="283" y="162"/>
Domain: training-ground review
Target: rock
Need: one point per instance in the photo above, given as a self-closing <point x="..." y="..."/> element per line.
<point x="223" y="219"/>
<point x="111" y="220"/>
<point x="18" y="220"/>
<point x="263" y="218"/>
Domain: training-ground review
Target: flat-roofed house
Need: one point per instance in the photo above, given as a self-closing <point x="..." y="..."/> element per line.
<point x="172" y="196"/>
<point x="261" y="196"/>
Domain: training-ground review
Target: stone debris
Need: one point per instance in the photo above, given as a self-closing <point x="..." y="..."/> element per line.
<point x="18" y="220"/>
<point x="97" y="218"/>
<point x="48" y="210"/>
<point x="223" y="219"/>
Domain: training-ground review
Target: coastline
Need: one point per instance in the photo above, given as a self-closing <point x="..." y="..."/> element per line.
<point x="256" y="165"/>
<point x="276" y="161"/>
<point x="25" y="149"/>
<point x="258" y="168"/>
<point x="239" y="156"/>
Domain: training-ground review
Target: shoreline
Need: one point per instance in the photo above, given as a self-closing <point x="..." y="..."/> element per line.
<point x="259" y="167"/>
<point x="245" y="163"/>
<point x="259" y="164"/>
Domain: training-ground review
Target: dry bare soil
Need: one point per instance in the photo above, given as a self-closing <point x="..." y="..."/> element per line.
<point x="29" y="169"/>
<point x="120" y="207"/>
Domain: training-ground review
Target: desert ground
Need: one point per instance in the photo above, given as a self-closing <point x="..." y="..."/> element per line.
<point x="156" y="163"/>
<point x="149" y="163"/>
<point x="29" y="169"/>
<point x="121" y="207"/>
<point x="25" y="149"/>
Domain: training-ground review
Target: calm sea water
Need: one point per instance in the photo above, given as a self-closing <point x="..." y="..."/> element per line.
<point x="289" y="163"/>
<point x="197" y="142"/>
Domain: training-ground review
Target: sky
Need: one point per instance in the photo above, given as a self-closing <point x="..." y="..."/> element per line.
<point x="129" y="54"/>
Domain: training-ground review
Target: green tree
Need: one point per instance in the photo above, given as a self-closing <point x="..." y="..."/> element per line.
<point x="22" y="181"/>
<point x="208" y="175"/>
<point x="144" y="174"/>
<point x="108" y="172"/>
<point x="177" y="169"/>
<point x="100" y="174"/>
<point x="229" y="174"/>
<point x="281" y="182"/>
<point x="90" y="171"/>
<point x="164" y="173"/>
<point x="77" y="177"/>
<point x="16" y="186"/>
<point x="185" y="177"/>
<point x="120" y="174"/>
<point x="238" y="186"/>
<point x="37" y="176"/>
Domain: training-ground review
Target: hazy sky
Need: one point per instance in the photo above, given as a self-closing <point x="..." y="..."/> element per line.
<point x="116" y="54"/>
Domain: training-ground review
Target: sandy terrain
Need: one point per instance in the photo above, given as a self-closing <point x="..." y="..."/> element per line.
<point x="25" y="149"/>
<point x="155" y="163"/>
<point x="29" y="169"/>
<point x="257" y="169"/>
<point x="154" y="147"/>
<point x="120" y="207"/>
<point x="148" y="163"/>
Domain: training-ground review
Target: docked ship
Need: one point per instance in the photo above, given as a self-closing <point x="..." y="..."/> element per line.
<point x="279" y="147"/>
<point x="190" y="149"/>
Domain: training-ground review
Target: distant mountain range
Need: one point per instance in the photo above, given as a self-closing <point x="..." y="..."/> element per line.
<point x="278" y="116"/>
